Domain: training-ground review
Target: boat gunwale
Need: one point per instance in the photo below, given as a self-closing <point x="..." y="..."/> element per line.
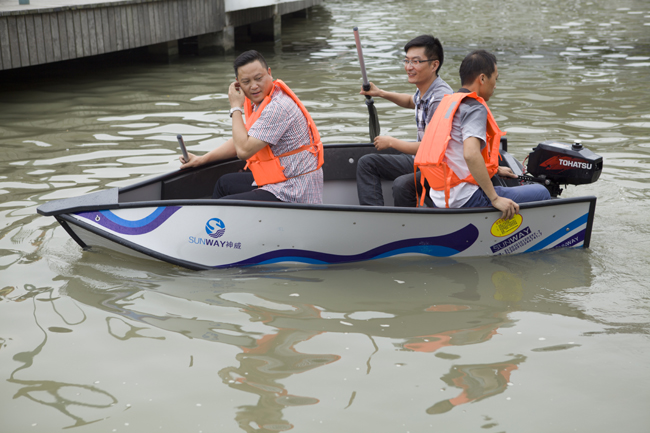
<point x="343" y="207"/>
<point x="320" y="207"/>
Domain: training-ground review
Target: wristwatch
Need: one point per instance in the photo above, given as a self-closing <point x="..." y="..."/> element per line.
<point x="233" y="109"/>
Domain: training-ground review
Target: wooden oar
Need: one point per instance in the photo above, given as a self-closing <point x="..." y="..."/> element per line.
<point x="372" y="110"/>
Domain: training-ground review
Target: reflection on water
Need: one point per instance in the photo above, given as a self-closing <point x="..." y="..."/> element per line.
<point x="68" y="398"/>
<point x="268" y="314"/>
<point x="101" y="342"/>
<point x="478" y="381"/>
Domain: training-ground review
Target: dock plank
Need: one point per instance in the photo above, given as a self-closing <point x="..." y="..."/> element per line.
<point x="176" y="13"/>
<point x="63" y="35"/>
<point x="203" y="15"/>
<point x="14" y="43"/>
<point x="109" y="30"/>
<point x="131" y="25"/>
<point x="45" y="44"/>
<point x="115" y="27"/>
<point x="30" y="32"/>
<point x="22" y="41"/>
<point x="136" y="25"/>
<point x="99" y="31"/>
<point x="69" y="28"/>
<point x="175" y="22"/>
<point x="209" y="18"/>
<point x="78" y="34"/>
<point x="5" y="49"/>
<point x="183" y="10"/>
<point x="141" y="26"/>
<point x="124" y="19"/>
<point x="85" y="33"/>
<point x="121" y="29"/>
<point x="166" y="27"/>
<point x="39" y="40"/>
<point x="56" y="37"/>
<point x="161" y="21"/>
<point x="91" y="33"/>
<point x="155" y="23"/>
<point x="194" y="17"/>
<point x="152" y="30"/>
<point x="149" y="23"/>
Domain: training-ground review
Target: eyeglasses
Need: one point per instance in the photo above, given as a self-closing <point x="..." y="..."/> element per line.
<point x="416" y="62"/>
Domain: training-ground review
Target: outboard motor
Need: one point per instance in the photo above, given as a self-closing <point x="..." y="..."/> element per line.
<point x="552" y="164"/>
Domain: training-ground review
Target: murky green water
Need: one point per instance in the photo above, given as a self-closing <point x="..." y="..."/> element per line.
<point x="557" y="341"/>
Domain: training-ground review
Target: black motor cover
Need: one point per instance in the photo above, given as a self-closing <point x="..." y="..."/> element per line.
<point x="564" y="164"/>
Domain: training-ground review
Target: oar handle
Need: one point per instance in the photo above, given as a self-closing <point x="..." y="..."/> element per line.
<point x="181" y="143"/>
<point x="366" y="84"/>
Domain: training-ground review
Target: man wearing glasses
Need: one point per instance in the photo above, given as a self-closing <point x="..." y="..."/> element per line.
<point x="424" y="57"/>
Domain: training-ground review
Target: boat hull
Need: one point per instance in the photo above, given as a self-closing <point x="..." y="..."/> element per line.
<point x="204" y="234"/>
<point x="170" y="217"/>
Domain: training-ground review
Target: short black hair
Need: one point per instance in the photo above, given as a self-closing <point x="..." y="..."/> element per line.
<point x="249" y="57"/>
<point x="476" y="63"/>
<point x="432" y="48"/>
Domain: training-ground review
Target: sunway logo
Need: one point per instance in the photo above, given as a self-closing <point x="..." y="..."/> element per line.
<point x="564" y="163"/>
<point x="215" y="228"/>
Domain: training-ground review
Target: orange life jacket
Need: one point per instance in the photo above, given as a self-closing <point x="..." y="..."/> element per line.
<point x="264" y="165"/>
<point x="431" y="153"/>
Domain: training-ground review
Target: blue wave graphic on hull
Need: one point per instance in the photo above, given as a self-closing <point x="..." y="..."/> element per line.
<point x="573" y="225"/>
<point x="109" y="220"/>
<point x="437" y="246"/>
<point x="574" y="241"/>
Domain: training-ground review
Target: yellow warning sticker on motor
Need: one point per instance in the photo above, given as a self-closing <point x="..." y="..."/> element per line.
<point x="502" y="228"/>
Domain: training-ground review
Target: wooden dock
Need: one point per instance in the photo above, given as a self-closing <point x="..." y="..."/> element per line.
<point x="47" y="31"/>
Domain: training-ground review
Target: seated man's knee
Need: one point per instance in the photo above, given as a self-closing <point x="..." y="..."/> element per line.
<point x="542" y="193"/>
<point x="404" y="186"/>
<point x="405" y="182"/>
<point x="219" y="190"/>
<point x="367" y="163"/>
<point x="404" y="191"/>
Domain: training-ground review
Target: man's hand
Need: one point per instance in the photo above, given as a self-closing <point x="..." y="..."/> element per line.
<point x="235" y="95"/>
<point x="506" y="172"/>
<point x="193" y="162"/>
<point x="507" y="206"/>
<point x="383" y="142"/>
<point x="374" y="91"/>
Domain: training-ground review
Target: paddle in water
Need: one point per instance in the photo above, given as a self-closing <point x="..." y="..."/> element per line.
<point x="372" y="110"/>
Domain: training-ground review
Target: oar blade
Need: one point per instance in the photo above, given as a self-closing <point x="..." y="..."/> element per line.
<point x="373" y="124"/>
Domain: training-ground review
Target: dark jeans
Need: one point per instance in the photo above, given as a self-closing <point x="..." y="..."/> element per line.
<point x="239" y="186"/>
<point x="374" y="167"/>
<point x="518" y="194"/>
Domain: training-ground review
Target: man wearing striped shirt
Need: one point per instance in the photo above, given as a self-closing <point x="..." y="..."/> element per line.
<point x="281" y="125"/>
<point x="424" y="57"/>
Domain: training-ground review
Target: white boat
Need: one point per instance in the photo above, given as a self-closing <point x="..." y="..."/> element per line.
<point x="171" y="218"/>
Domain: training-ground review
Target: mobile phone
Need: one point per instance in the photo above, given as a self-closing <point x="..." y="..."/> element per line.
<point x="181" y="143"/>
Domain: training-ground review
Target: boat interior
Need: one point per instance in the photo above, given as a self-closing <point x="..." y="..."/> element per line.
<point x="339" y="171"/>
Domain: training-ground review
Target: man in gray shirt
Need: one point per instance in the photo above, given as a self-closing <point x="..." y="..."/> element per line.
<point x="469" y="183"/>
<point x="424" y="57"/>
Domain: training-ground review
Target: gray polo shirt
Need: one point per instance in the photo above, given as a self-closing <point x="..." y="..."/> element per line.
<point x="426" y="104"/>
